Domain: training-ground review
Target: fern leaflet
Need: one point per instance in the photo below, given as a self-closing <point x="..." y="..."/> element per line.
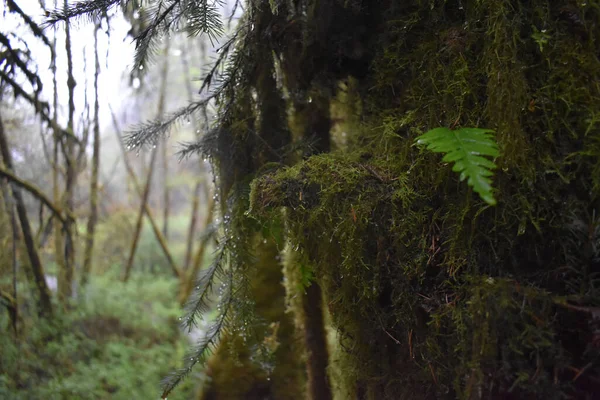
<point x="466" y="147"/>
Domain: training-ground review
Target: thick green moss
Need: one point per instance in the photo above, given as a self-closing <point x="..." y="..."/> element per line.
<point x="416" y="285"/>
<point x="435" y="294"/>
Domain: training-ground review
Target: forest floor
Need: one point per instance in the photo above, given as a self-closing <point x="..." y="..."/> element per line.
<point x="117" y="341"/>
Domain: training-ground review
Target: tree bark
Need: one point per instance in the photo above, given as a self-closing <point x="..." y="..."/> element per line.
<point x="44" y="302"/>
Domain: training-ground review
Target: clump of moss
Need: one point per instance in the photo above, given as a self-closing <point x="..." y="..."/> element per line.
<point x="504" y="336"/>
<point x="413" y="285"/>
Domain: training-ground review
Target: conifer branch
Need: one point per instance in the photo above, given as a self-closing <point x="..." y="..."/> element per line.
<point x="150" y="132"/>
<point x="146" y="43"/>
<point x="205" y="347"/>
<point x="204" y="146"/>
<point x="198" y="304"/>
<point x="203" y="17"/>
<point x="195" y="16"/>
<point x="90" y="9"/>
<point x="15" y="57"/>
<point x="35" y="28"/>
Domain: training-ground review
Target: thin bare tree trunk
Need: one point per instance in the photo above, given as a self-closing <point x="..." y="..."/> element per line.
<point x="15" y="240"/>
<point x="166" y="205"/>
<point x="65" y="278"/>
<point x="44" y="302"/>
<point x="189" y="278"/>
<point x="165" y="166"/>
<point x="93" y="218"/>
<point x="13" y="307"/>
<point x="140" y="219"/>
<point x="145" y="195"/>
<point x="318" y="126"/>
<point x="316" y="346"/>
<point x="192" y="227"/>
<point x="196" y="200"/>
<point x="59" y="246"/>
<point x="138" y="190"/>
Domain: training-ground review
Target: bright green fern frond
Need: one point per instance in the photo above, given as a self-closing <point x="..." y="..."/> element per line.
<point x="466" y="147"/>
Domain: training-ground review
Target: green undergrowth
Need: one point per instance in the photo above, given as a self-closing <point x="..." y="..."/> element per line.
<point x="118" y="342"/>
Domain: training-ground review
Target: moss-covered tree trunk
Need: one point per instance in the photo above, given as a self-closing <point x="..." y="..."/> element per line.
<point x="254" y="137"/>
<point x="37" y="269"/>
<point x="235" y="371"/>
<point x="313" y="124"/>
<point x="433" y="292"/>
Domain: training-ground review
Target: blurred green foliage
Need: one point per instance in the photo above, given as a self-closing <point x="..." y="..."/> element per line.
<point x="117" y="342"/>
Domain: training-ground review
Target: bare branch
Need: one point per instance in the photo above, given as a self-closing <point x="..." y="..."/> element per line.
<point x="35" y="28"/>
<point x="41" y="107"/>
<point x="35" y="192"/>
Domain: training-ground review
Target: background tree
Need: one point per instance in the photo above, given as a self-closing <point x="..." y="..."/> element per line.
<point x="99" y="344"/>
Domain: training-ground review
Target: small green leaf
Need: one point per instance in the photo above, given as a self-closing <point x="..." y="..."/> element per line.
<point x="467" y="149"/>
